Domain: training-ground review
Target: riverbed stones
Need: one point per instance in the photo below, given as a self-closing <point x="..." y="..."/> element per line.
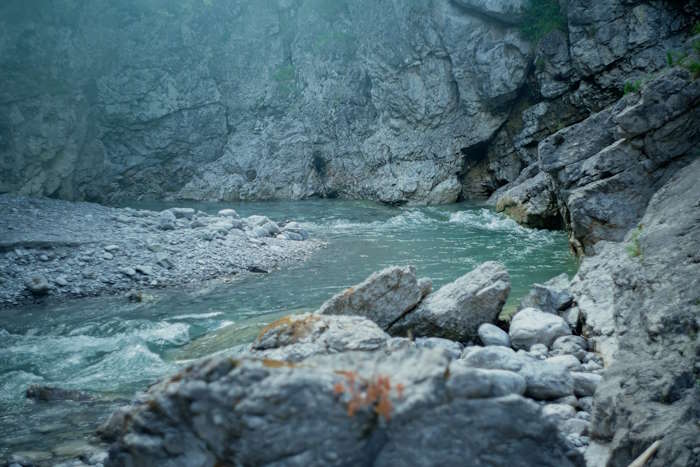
<point x="384" y="297"/>
<point x="451" y="348"/>
<point x="457" y="309"/>
<point x="38" y="285"/>
<point x="531" y="326"/>
<point x="183" y="213"/>
<point x="99" y="257"/>
<point x="167" y="220"/>
<point x="490" y="334"/>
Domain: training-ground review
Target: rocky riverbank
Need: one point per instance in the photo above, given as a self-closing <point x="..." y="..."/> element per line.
<point x="51" y="248"/>
<point x="335" y="388"/>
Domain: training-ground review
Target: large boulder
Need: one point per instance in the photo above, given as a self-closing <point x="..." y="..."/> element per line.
<point x="360" y="409"/>
<point x="296" y="337"/>
<point x="531" y="203"/>
<point x="383" y="297"/>
<point x="531" y="326"/>
<point x="457" y="309"/>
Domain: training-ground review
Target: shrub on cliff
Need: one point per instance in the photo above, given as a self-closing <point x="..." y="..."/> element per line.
<point x="541" y="17"/>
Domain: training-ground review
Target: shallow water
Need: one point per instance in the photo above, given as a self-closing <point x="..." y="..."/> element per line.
<point x="114" y="348"/>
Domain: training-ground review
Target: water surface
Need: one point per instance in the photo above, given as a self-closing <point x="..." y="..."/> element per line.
<point x="114" y="348"/>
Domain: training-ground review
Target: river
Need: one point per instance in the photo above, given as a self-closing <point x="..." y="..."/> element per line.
<point x="113" y="348"/>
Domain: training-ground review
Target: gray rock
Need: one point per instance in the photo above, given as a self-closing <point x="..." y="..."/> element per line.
<point x="477" y="383"/>
<point x="410" y="403"/>
<point x="166" y="220"/>
<point x="452" y="349"/>
<point x="182" y="213"/>
<point x="585" y="384"/>
<point x="558" y="413"/>
<point x="48" y="393"/>
<point x="644" y="332"/>
<point x="553" y="296"/>
<point x="111" y="248"/>
<point x="38" y="286"/>
<point x="457" y="309"/>
<point x="228" y="213"/>
<point x="586" y="404"/>
<point x="383" y="297"/>
<point x="531" y="326"/>
<point x="145" y="270"/>
<point x="107" y="256"/>
<point x="61" y="281"/>
<point x="568" y="362"/>
<point x="297" y="337"/>
<point x="539" y="351"/>
<point x="490" y="334"/>
<point x="163" y="260"/>
<point x="508" y="11"/>
<point x="531" y="203"/>
<point x="296" y="229"/>
<point x="495" y="357"/>
<point x="547" y="382"/>
<point x="425" y="285"/>
<point x="570" y="345"/>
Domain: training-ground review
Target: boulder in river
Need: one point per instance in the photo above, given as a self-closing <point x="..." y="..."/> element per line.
<point x="384" y="297"/>
<point x="48" y="393"/>
<point x="457" y="309"/>
<point x="38" y="285"/>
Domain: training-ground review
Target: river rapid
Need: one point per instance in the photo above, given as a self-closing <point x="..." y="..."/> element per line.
<point x="112" y="348"/>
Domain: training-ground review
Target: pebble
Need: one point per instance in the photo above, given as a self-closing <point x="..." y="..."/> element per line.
<point x="145" y="270"/>
<point x="130" y="272"/>
<point x="43" y="258"/>
<point x="108" y="256"/>
<point x="111" y="248"/>
<point x="61" y="281"/>
<point x="493" y="335"/>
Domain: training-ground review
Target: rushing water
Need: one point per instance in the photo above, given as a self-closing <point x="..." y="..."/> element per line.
<point x="113" y="348"/>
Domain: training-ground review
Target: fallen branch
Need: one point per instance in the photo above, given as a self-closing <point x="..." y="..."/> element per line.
<point x="646" y="455"/>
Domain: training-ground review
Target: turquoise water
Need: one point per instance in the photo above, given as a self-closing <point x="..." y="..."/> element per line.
<point x="114" y="348"/>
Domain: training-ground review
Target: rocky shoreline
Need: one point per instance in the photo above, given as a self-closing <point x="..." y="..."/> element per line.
<point x="334" y="388"/>
<point x="52" y="249"/>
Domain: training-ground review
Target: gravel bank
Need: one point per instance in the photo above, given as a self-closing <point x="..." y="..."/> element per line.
<point x="51" y="248"/>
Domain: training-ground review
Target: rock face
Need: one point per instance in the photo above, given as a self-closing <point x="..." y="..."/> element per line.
<point x="384" y="297"/>
<point x="358" y="409"/>
<point x="457" y="309"/>
<point x="641" y="300"/>
<point x="353" y="98"/>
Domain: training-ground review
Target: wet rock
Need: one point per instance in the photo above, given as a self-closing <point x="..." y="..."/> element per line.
<point x="383" y="297"/>
<point x="38" y="286"/>
<point x="531" y="203"/>
<point x="539" y="351"/>
<point x="531" y="326"/>
<point x="295" y="229"/>
<point x="61" y="281"/>
<point x="48" y="394"/>
<point x="163" y="260"/>
<point x="457" y="309"/>
<point x="490" y="334"/>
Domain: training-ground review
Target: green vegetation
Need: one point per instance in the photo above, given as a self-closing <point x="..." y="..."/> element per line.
<point x="634" y="249"/>
<point x="542" y="17"/>
<point x="632" y="86"/>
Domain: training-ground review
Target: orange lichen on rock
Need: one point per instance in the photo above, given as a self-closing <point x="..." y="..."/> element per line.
<point x="297" y="327"/>
<point x="373" y="392"/>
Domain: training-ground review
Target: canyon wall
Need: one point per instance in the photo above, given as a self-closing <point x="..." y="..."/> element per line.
<point x="421" y="101"/>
